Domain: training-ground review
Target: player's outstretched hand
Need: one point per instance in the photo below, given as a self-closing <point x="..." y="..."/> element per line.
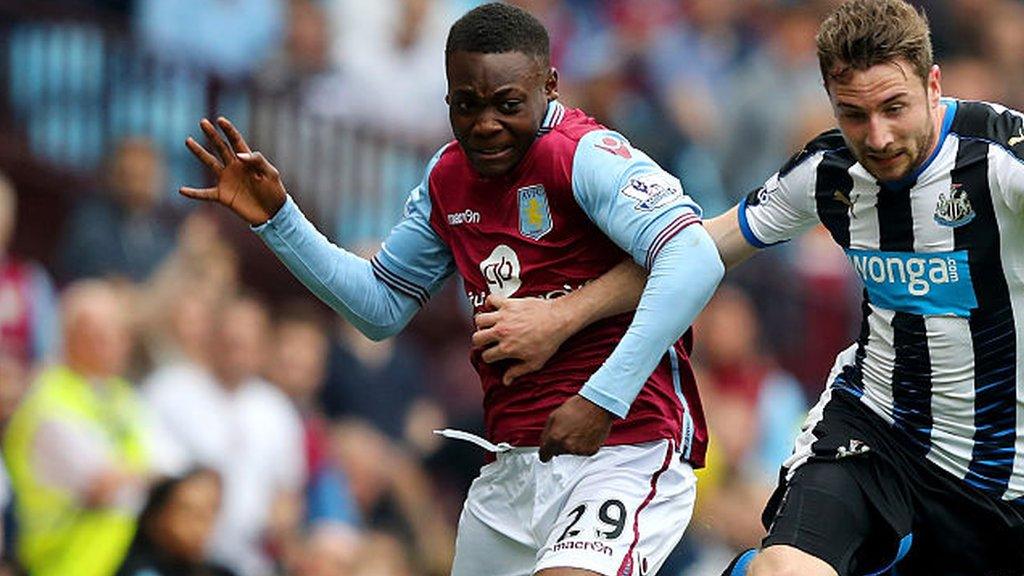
<point x="246" y="182"/>
<point x="528" y="330"/>
<point x="577" y="427"/>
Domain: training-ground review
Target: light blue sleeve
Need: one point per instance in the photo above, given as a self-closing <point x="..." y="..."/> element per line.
<point x="379" y="297"/>
<point x="413" y="259"/>
<point x="632" y="199"/>
<point x="644" y="211"/>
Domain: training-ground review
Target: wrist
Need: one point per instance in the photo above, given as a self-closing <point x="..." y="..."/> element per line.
<point x="595" y="408"/>
<point x="568" y="315"/>
<point x="611" y="405"/>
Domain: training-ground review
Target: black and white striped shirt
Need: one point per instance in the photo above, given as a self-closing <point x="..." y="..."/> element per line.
<point x="941" y="254"/>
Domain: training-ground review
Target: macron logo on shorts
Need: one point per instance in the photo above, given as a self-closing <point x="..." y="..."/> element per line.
<point x="599" y="547"/>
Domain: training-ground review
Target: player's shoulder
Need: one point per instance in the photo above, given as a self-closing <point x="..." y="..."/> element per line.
<point x="829" y="141"/>
<point x="590" y="146"/>
<point x="990" y="122"/>
<point x="447" y="158"/>
<point x="446" y="170"/>
<point x="569" y="124"/>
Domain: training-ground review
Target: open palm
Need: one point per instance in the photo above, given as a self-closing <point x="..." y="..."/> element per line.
<point x="247" y="183"/>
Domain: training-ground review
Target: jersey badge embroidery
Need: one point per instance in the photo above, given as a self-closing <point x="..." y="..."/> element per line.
<point x="534" y="212"/>
<point x="615" y="146"/>
<point x="651" y="191"/>
<point x="954" y="210"/>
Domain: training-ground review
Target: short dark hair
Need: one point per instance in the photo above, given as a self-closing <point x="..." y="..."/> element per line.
<point x="497" y="28"/>
<point x="863" y="33"/>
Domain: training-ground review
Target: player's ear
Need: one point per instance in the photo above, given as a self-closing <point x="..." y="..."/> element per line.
<point x="551" y="84"/>
<point x="934" y="84"/>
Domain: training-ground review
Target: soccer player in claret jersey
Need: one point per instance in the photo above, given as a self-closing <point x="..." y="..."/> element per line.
<point x="912" y="462"/>
<point x="533" y="199"/>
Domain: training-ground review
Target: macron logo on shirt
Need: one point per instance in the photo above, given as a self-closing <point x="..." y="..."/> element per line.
<point x="467" y="216"/>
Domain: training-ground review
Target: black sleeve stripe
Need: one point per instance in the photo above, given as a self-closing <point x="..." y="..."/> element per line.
<point x="398" y="283"/>
<point x="824" y="142"/>
<point x="981" y="121"/>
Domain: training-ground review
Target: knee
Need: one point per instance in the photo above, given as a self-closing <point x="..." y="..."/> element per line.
<point x="788" y="561"/>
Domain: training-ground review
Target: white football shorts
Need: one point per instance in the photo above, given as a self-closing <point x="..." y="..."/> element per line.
<point x="617" y="513"/>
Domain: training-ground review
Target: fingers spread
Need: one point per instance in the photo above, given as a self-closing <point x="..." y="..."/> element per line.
<point x="198" y="193"/>
<point x="203" y="155"/>
<point x="234" y="136"/>
<point x="222" y="148"/>
<point x="258" y="162"/>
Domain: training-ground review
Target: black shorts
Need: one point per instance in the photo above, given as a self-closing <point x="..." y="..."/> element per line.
<point x="862" y="500"/>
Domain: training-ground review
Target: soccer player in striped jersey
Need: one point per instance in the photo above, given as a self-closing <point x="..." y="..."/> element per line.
<point x="913" y="459"/>
<point x="532" y="199"/>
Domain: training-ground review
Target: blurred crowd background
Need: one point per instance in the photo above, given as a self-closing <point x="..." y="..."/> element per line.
<point x="172" y="402"/>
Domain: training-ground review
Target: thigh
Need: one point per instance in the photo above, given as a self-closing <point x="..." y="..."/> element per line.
<point x="482" y="548"/>
<point x="824" y="511"/>
<point x="960" y="531"/>
<point x="625" y="514"/>
<point x="492" y="537"/>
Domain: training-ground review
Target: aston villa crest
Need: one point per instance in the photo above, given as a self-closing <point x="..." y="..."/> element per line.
<point x="954" y="210"/>
<point x="534" y="212"/>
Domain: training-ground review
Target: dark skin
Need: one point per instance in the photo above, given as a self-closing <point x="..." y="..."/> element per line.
<point x="497" y="103"/>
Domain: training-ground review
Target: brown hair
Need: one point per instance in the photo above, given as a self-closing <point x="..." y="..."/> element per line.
<point x="863" y="33"/>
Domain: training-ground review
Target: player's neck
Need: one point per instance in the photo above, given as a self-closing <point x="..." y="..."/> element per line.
<point x="938" y="117"/>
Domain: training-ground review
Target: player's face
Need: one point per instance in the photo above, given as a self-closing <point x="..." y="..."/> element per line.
<point x="496" y="103"/>
<point x="889" y="116"/>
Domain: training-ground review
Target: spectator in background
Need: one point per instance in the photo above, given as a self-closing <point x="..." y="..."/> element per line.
<point x="380" y="382"/>
<point x="395" y="497"/>
<point x="179" y="330"/>
<point x="776" y="102"/>
<point x="754" y="412"/>
<point x="28" y="303"/>
<point x="246" y="429"/>
<point x="5" y="500"/>
<point x="28" y="333"/>
<point x="692" y="95"/>
<point x="745" y="381"/>
<point x="1002" y="45"/>
<point x="175" y="526"/>
<point x="78" y="446"/>
<point x="14" y="378"/>
<point x="119" y="232"/>
<point x="393" y="50"/>
<point x="298" y="368"/>
<point x="229" y="38"/>
<point x="329" y="552"/>
<point x="303" y="68"/>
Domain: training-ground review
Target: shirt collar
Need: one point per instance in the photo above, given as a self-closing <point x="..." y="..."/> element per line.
<point x="553" y="117"/>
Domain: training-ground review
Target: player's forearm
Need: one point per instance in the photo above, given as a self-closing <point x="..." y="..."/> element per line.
<point x="615" y="292"/>
<point x="683" y="277"/>
<point x="725" y="231"/>
<point x="344" y="281"/>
